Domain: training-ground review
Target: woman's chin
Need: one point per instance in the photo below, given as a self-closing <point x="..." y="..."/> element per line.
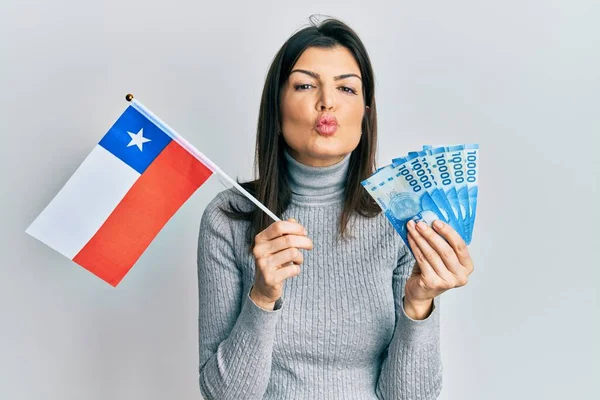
<point x="322" y="157"/>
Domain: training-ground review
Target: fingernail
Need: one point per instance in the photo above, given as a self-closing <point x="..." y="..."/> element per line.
<point x="422" y="226"/>
<point x="438" y="224"/>
<point x="411" y="224"/>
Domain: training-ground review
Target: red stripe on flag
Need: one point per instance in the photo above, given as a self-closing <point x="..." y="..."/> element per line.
<point x="152" y="200"/>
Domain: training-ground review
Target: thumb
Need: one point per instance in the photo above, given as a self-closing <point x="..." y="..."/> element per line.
<point x="292" y="219"/>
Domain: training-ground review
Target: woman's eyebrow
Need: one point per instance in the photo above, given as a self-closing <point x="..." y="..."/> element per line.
<point x="317" y="76"/>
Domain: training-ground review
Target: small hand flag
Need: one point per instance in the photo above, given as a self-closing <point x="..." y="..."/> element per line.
<point x="132" y="182"/>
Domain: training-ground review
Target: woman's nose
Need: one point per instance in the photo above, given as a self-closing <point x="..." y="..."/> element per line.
<point x="326" y="102"/>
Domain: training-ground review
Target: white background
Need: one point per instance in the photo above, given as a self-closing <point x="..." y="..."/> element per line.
<point x="521" y="78"/>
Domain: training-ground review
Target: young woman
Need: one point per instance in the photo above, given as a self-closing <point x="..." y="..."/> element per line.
<point x="328" y="303"/>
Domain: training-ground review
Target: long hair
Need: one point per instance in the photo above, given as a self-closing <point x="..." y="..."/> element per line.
<point x="271" y="187"/>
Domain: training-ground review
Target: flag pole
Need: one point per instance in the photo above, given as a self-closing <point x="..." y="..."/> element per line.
<point x="195" y="152"/>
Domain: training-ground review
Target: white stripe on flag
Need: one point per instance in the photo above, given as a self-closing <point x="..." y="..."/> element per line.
<point x="83" y="204"/>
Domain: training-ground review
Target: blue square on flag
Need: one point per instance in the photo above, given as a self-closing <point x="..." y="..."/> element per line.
<point x="135" y="140"/>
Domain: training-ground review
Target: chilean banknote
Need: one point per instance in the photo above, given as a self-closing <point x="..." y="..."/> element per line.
<point x="437" y="182"/>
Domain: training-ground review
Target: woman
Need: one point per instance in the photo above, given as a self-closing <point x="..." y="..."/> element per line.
<point x="359" y="319"/>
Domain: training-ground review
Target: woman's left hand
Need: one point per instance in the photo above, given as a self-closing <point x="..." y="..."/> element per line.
<point x="440" y="265"/>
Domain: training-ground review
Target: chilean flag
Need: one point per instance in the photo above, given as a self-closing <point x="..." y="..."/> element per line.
<point x="121" y="196"/>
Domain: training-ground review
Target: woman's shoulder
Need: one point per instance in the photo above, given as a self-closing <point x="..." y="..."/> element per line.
<point x="231" y="196"/>
<point x="226" y="200"/>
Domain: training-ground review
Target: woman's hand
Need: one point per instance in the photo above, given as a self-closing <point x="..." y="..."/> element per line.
<point x="440" y="265"/>
<point x="273" y="250"/>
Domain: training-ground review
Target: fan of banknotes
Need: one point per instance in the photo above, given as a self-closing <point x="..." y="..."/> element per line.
<point x="438" y="182"/>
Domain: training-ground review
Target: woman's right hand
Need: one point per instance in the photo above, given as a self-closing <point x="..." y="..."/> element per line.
<point x="273" y="250"/>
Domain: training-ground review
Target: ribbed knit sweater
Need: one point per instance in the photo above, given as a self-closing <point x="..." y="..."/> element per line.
<point x="338" y="332"/>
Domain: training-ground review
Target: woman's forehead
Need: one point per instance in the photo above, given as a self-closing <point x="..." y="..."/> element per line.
<point x="328" y="61"/>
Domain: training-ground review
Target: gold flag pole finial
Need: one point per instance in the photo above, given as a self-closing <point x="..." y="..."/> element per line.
<point x="129" y="97"/>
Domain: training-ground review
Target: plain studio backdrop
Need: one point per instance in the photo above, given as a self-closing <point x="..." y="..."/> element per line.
<point x="521" y="78"/>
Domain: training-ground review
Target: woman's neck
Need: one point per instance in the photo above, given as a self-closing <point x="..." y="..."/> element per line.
<point x="317" y="185"/>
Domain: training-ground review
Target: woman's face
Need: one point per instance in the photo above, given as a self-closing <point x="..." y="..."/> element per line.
<point x="323" y="82"/>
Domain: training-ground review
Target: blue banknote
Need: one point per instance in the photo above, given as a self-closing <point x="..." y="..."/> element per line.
<point x="402" y="197"/>
<point x="420" y="164"/>
<point x="442" y="171"/>
<point x="456" y="160"/>
<point x="438" y="182"/>
<point x="462" y="172"/>
<point x="472" y="171"/>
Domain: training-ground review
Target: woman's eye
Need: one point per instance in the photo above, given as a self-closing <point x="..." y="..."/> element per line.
<point x="348" y="90"/>
<point x="303" y="86"/>
<point x="307" y="86"/>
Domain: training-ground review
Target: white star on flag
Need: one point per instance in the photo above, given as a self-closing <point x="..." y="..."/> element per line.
<point x="137" y="139"/>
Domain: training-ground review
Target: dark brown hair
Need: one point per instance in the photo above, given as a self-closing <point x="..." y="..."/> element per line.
<point x="271" y="187"/>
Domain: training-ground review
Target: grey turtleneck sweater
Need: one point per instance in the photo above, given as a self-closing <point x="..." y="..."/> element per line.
<point x="338" y="332"/>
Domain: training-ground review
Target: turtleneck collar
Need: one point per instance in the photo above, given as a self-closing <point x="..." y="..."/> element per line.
<point x="317" y="185"/>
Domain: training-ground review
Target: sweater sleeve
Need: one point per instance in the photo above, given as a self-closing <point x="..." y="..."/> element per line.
<point x="412" y="369"/>
<point x="236" y="336"/>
